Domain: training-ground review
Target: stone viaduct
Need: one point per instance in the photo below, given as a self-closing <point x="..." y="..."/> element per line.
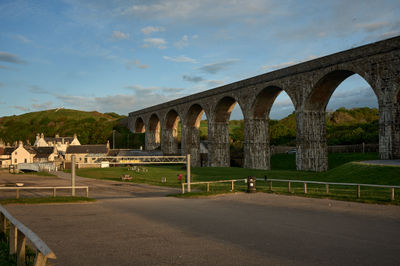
<point x="309" y="86"/>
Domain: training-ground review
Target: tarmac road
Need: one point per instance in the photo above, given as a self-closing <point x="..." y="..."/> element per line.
<point x="234" y="229"/>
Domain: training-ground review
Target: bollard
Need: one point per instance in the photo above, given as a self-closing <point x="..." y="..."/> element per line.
<point x="251" y="184"/>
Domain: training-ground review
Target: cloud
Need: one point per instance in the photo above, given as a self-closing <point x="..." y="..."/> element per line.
<point x="21" y="108"/>
<point x="287" y="64"/>
<point x="370" y="27"/>
<point x="22" y="38"/>
<point x="42" y="106"/>
<point x="117" y="35"/>
<point x="150" y="29"/>
<point x="37" y="90"/>
<point x="1" y="84"/>
<point x="218" y="66"/>
<point x="172" y="90"/>
<point x="135" y="63"/>
<point x="194" y="79"/>
<point x="155" y="42"/>
<point x="4" y="67"/>
<point x="180" y="59"/>
<point x="11" y="58"/>
<point x="119" y="103"/>
<point x="185" y="41"/>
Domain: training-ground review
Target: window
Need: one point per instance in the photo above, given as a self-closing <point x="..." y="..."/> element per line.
<point x="85" y="160"/>
<point x="15" y="160"/>
<point x="26" y="160"/>
<point x="16" y="153"/>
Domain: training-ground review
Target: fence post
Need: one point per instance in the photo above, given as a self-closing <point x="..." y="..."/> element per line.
<point x="13" y="239"/>
<point x="392" y="193"/>
<point x="87" y="192"/>
<point x="3" y="223"/>
<point x="188" y="171"/>
<point x="270" y="185"/>
<point x="21" y="240"/>
<point x="54" y="192"/>
<point x="183" y="188"/>
<point x="73" y="175"/>
<point x="358" y="191"/>
<point x="327" y="189"/>
<point x="208" y="187"/>
<point x="289" y="187"/>
<point x="233" y="185"/>
<point x="305" y="188"/>
<point x="17" y="193"/>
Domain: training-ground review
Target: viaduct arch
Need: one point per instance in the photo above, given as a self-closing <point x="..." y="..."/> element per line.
<point x="309" y="85"/>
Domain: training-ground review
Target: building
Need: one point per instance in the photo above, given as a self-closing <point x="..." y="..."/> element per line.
<point x="22" y="154"/>
<point x="84" y="152"/>
<point x="61" y="143"/>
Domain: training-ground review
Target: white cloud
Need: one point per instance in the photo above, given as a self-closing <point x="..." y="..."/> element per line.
<point x="155" y="42"/>
<point x="135" y="63"/>
<point x="180" y="59"/>
<point x="216" y="67"/>
<point x="194" y="79"/>
<point x="117" y="35"/>
<point x="42" y="106"/>
<point x="150" y="29"/>
<point x="37" y="90"/>
<point x="184" y="41"/>
<point x="22" y="38"/>
<point x="287" y="64"/>
<point x="21" y="108"/>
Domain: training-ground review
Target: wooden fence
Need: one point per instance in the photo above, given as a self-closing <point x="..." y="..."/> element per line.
<point x="54" y="189"/>
<point x="327" y="184"/>
<point x="269" y="181"/>
<point x="18" y="235"/>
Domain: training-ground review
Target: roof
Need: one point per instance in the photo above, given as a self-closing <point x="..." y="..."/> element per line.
<point x="43" y="152"/>
<point x="98" y="149"/>
<point x="59" y="139"/>
<point x="8" y="150"/>
<point x="30" y="149"/>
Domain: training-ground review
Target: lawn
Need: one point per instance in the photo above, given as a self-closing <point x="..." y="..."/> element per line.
<point x="344" y="169"/>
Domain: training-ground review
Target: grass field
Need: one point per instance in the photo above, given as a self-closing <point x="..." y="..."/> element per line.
<point x="344" y="169"/>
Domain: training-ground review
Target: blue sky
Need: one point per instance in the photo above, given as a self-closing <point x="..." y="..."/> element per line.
<point x="121" y="56"/>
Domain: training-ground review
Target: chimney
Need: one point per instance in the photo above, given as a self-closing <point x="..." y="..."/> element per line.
<point x="15" y="143"/>
<point x="74" y="135"/>
<point x="28" y="142"/>
<point x="42" y="135"/>
<point x="8" y="144"/>
<point x="108" y="144"/>
<point x="20" y="144"/>
<point x="57" y="136"/>
<point x="37" y="136"/>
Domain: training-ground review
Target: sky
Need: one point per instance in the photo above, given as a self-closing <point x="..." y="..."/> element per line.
<point x="125" y="55"/>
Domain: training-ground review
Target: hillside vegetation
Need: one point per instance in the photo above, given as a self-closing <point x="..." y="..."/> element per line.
<point x="344" y="126"/>
<point x="91" y="127"/>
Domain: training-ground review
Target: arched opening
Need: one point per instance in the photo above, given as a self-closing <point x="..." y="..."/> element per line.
<point x="352" y="120"/>
<point x="170" y="141"/>
<point x="153" y="134"/>
<point x="139" y="126"/>
<point x="219" y="133"/>
<point x="138" y="138"/>
<point x="196" y="135"/>
<point x="274" y="117"/>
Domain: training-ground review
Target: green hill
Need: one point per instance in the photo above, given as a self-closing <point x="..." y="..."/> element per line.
<point x="91" y="127"/>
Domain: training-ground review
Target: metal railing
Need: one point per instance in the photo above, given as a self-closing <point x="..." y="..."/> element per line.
<point x="17" y="189"/>
<point x="18" y="235"/>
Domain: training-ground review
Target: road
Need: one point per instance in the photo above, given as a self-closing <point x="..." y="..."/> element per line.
<point x="143" y="227"/>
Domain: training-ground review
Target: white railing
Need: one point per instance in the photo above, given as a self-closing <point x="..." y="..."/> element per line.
<point x="17" y="189"/>
<point x="17" y="239"/>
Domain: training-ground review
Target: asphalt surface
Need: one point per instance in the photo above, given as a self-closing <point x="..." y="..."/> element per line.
<point x="138" y="225"/>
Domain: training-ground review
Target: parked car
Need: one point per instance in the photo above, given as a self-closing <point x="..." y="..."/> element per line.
<point x="291" y="151"/>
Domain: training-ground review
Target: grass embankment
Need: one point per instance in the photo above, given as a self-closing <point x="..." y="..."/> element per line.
<point x="343" y="169"/>
<point x="11" y="260"/>
<point x="46" y="200"/>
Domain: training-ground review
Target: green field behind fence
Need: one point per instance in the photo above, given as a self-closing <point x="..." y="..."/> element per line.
<point x="344" y="169"/>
